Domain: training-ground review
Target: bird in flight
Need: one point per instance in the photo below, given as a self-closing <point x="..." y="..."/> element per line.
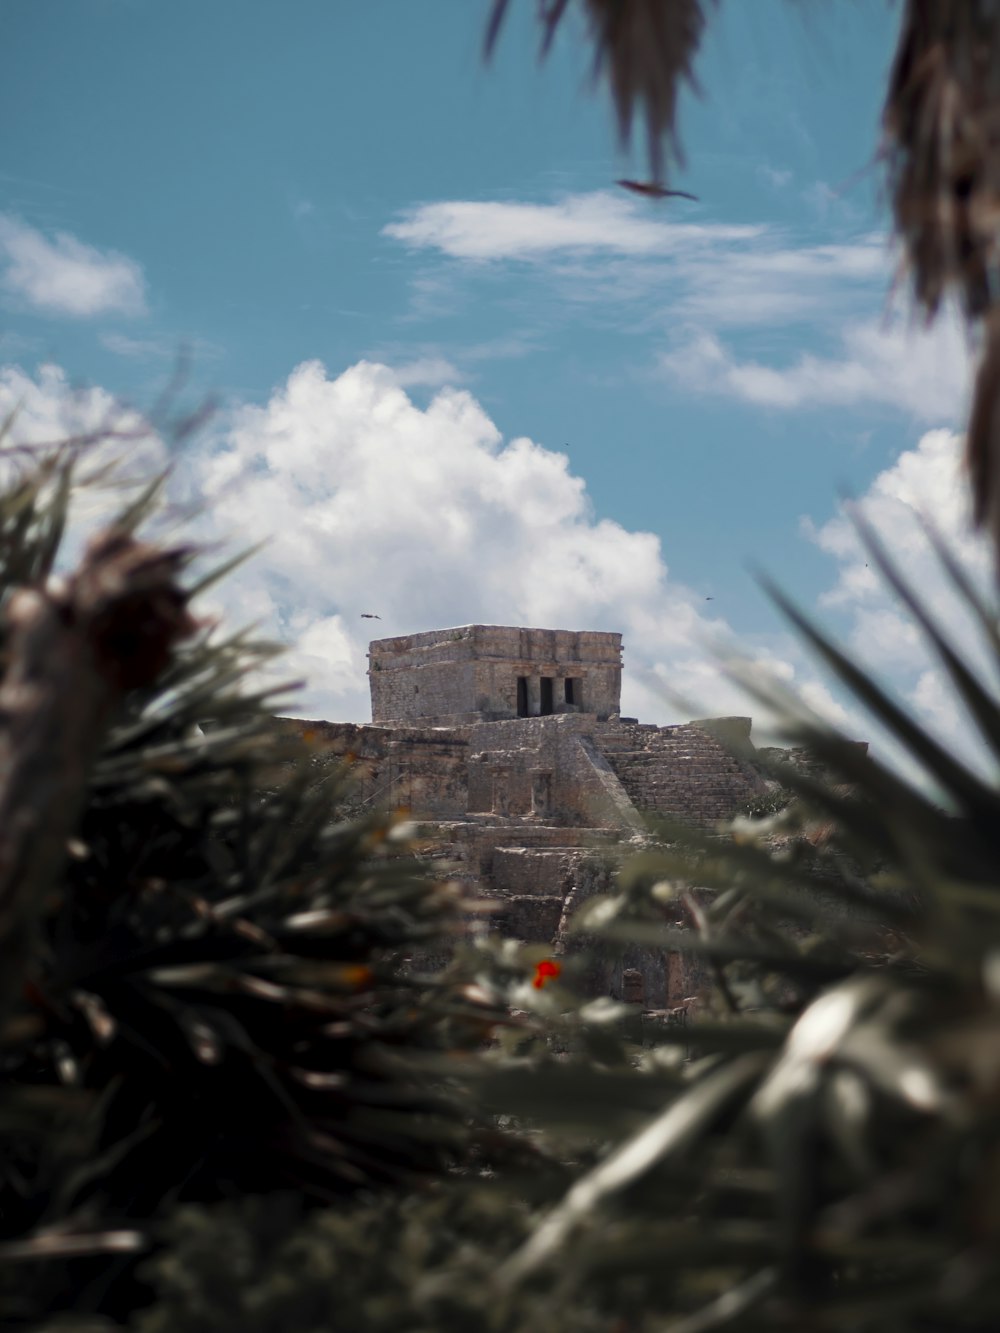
<point x="369" y="615"/>
<point x="653" y="191"/>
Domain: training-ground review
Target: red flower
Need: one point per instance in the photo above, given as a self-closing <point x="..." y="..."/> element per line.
<point x="545" y="971"/>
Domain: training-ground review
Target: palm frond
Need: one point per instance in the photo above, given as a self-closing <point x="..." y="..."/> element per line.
<point x="941" y="124"/>
<point x="942" y="149"/>
<point x="646" y="49"/>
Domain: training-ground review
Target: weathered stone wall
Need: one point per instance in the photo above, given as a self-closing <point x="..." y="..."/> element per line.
<point x="683" y="770"/>
<point x="533" y="813"/>
<point x="422" y="769"/>
<point x="548" y="768"/>
<point x="406" y="691"/>
<point x="536" y="812"/>
<point x="473" y="673"/>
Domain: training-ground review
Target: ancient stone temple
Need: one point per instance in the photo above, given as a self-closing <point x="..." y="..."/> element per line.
<point x="507" y="745"/>
<point x="490" y="673"/>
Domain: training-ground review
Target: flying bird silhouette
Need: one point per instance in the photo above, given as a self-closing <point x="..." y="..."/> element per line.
<point x="369" y="615"/>
<point x="653" y="191"/>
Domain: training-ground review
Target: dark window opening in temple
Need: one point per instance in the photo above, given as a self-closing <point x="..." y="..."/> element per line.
<point x="522" y="696"/>
<point x="546" y="704"/>
<point x="571" y="687"/>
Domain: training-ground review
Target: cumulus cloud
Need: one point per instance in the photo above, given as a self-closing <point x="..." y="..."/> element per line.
<point x="368" y="502"/>
<point x="927" y="480"/>
<point x="45" y="410"/>
<point x="926" y="373"/>
<point x="426" y="517"/>
<point x="64" y="276"/>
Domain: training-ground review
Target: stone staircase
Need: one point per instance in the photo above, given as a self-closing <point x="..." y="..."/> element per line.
<point x="524" y="871"/>
<point x="532" y="884"/>
<point x="681" y="771"/>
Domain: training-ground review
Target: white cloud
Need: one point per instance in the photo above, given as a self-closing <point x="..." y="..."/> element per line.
<point x="430" y="372"/>
<point x="768" y="281"/>
<point x="925" y="373"/>
<point x="604" y="256"/>
<point x="927" y="480"/>
<point x="597" y="222"/>
<point x="63" y="276"/>
<point x="46" y="410"/>
<point x="607" y="259"/>
<point x="427" y="518"/>
<point x="601" y="248"/>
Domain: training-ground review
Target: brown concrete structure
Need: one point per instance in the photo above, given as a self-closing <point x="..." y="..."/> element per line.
<point x="536" y="811"/>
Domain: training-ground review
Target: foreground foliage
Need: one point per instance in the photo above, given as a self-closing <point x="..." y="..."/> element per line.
<point x="829" y="1158"/>
<point x="220" y="1048"/>
<point x="818" y="1148"/>
<point x="216" y="1005"/>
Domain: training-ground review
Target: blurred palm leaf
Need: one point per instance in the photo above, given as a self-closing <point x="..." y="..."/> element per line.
<point x="940" y="148"/>
<point x="645" y="47"/>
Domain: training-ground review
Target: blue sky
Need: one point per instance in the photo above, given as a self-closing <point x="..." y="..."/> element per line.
<point x="589" y="406"/>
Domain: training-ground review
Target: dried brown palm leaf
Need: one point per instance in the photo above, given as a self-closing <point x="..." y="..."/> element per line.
<point x="941" y="126"/>
<point x="982" y="443"/>
<point x="647" y="48"/>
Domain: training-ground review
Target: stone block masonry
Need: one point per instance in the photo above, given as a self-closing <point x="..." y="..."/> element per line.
<point x="698" y="772"/>
<point x="507" y="745"/>
<point x="489" y="673"/>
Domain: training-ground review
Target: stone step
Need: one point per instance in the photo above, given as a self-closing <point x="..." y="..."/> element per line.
<point x="532" y="918"/>
<point x="539" y="872"/>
